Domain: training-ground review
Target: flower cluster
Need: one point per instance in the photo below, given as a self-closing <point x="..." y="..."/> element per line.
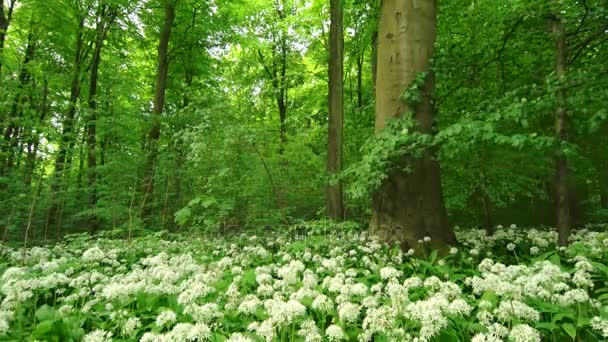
<point x="515" y="285"/>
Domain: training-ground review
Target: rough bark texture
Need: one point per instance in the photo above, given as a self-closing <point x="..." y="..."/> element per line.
<point x="334" y="196"/>
<point x="158" y="107"/>
<point x="562" y="195"/>
<point x="408" y="206"/>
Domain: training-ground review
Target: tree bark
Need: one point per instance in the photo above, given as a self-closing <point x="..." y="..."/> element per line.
<point x="374" y="57"/>
<point x="67" y="136"/>
<point x="34" y="139"/>
<point x="13" y="128"/>
<point x="158" y="107"/>
<point x="6" y="16"/>
<point x="562" y="195"/>
<point x="105" y="19"/>
<point x="334" y="196"/>
<point x="408" y="206"/>
<point x="360" y="83"/>
<point x="603" y="186"/>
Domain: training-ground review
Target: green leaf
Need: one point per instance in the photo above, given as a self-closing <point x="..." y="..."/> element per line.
<point x="570" y="330"/>
<point x="45" y="313"/>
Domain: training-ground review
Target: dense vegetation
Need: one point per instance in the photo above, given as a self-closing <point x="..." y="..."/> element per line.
<point x="133" y="133"/>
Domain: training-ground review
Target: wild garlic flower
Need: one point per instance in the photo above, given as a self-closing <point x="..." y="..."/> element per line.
<point x="516" y="310"/>
<point x="600" y="324"/>
<point x="98" y="335"/>
<point x="335" y="333"/>
<point x="310" y="331"/>
<point x="349" y="312"/>
<point x="165" y="318"/>
<point x="524" y="333"/>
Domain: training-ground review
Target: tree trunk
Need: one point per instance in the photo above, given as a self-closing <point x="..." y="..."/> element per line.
<point x="6" y="15"/>
<point x="562" y="195"/>
<point x="34" y="141"/>
<point x="103" y="25"/>
<point x="374" y="58"/>
<point x="408" y="206"/>
<point x="11" y="134"/>
<point x="67" y="136"/>
<point x="360" y="83"/>
<point x="603" y="184"/>
<point x="282" y="95"/>
<point x="157" y="110"/>
<point x="488" y="221"/>
<point x="335" y="205"/>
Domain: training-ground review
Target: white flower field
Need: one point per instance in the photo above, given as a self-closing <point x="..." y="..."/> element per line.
<point x="513" y="286"/>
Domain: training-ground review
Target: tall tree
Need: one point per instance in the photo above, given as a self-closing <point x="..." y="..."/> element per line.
<point x="159" y="104"/>
<point x="562" y="196"/>
<point x="105" y="18"/>
<point x="408" y="205"/>
<point x="334" y="199"/>
<point x="11" y="135"/>
<point x="68" y="134"/>
<point x="276" y="67"/>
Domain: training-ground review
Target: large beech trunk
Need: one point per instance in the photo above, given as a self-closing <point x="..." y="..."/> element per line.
<point x="408" y="206"/>
<point x="335" y="205"/>
<point x="158" y="107"/>
<point x="562" y="196"/>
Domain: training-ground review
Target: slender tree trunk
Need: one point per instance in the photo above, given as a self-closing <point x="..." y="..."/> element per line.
<point x="334" y="196"/>
<point x="6" y="16"/>
<point x="408" y="206"/>
<point x="159" y="104"/>
<point x="488" y="221"/>
<point x="103" y="25"/>
<point x="34" y="141"/>
<point x="12" y="132"/>
<point x="360" y="83"/>
<point x="282" y="94"/>
<point x="374" y="58"/>
<point x="68" y="135"/>
<point x="562" y="195"/>
<point x="604" y="198"/>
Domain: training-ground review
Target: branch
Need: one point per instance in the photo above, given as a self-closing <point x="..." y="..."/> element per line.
<point x="498" y="58"/>
<point x="585" y="43"/>
<point x="262" y="60"/>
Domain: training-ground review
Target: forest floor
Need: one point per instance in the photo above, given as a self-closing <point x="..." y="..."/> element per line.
<point x="515" y="285"/>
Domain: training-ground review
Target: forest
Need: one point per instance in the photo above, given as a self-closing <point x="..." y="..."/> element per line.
<point x="303" y="170"/>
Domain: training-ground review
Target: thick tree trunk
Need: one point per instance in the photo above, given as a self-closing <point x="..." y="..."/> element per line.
<point x="408" y="206"/>
<point x="562" y="204"/>
<point x="334" y="196"/>
<point x="158" y="107"/>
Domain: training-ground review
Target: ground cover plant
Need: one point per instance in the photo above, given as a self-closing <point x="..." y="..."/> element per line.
<point x="307" y="284"/>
